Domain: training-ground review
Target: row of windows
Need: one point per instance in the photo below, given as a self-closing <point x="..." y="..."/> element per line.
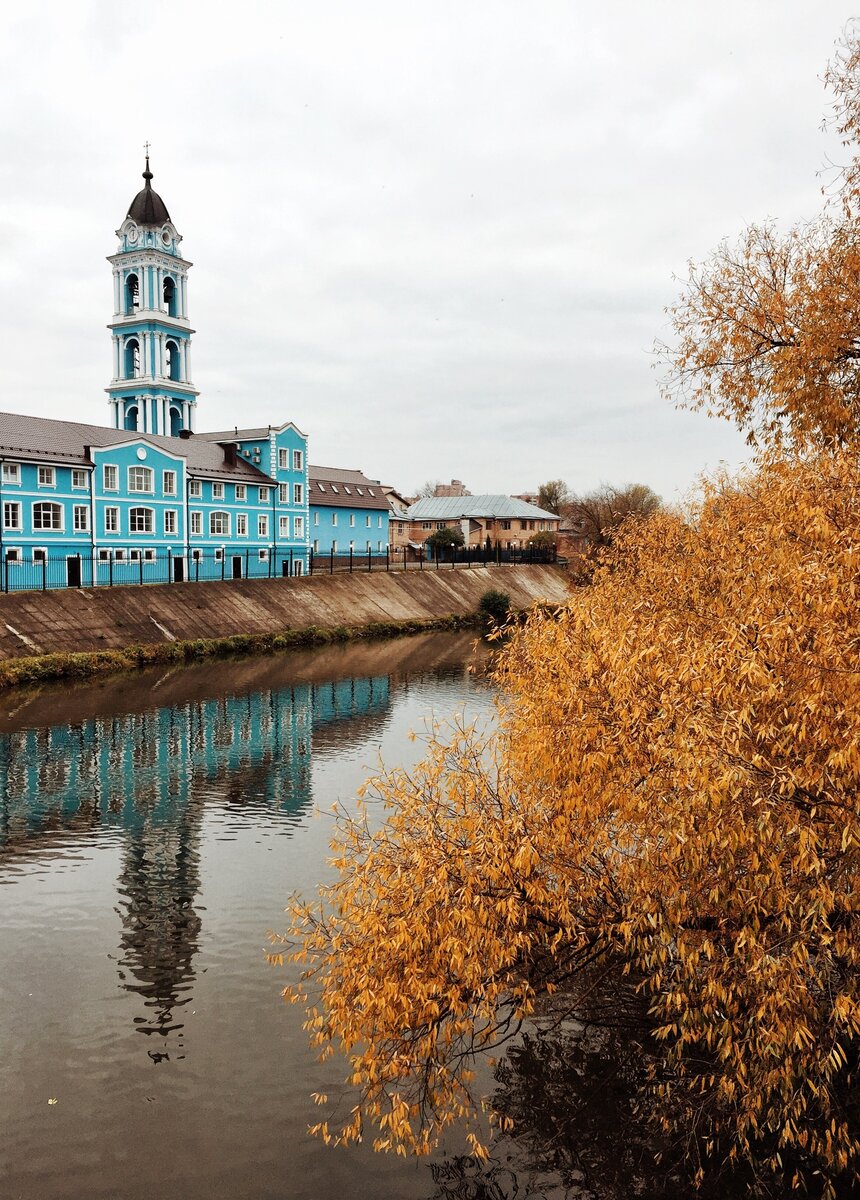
<point x="368" y="520"/>
<point x="542" y="525"/>
<point x="14" y="554"/>
<point x="142" y="480"/>
<point x="284" y="460"/>
<point x="48" y="515"/>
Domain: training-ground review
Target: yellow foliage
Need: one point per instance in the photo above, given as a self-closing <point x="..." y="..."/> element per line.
<point x="673" y="788"/>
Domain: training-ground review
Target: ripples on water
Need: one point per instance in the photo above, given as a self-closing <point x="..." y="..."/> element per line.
<point x="151" y="830"/>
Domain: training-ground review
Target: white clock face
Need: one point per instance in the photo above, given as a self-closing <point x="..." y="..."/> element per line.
<point x="141" y="453"/>
<point x="165" y="236"/>
<point x="132" y="234"/>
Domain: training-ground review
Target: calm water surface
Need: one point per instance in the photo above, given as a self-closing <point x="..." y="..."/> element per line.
<point x="151" y="830"/>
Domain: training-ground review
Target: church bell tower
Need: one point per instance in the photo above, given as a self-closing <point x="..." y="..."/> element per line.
<point x="151" y="389"/>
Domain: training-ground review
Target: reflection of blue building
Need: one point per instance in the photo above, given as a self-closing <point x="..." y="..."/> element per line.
<point x="148" y="500"/>
<point x="145" y="779"/>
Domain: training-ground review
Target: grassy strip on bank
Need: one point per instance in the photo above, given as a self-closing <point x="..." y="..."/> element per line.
<point x="46" y="667"/>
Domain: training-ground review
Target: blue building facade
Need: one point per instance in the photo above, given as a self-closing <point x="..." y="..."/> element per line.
<point x="349" y="513"/>
<point x="149" y="499"/>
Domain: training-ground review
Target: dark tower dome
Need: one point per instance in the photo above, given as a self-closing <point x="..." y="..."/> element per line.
<point x="147" y="208"/>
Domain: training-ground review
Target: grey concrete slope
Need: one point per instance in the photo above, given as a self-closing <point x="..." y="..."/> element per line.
<point x="111" y="618"/>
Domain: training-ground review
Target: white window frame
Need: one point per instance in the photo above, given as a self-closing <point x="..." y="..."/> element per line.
<point x="39" y="554"/>
<point x="12" y="474"/>
<point x="115" y="511"/>
<point x="283" y="459"/>
<point x="81" y="512"/>
<point x="298" y="493"/>
<point x="104" y="555"/>
<point x="241" y="491"/>
<point x="196" y="523"/>
<point x="110" y="472"/>
<point x="262" y="525"/>
<point x="334" y="518"/>
<point x="171" y="522"/>
<point x="298" y="527"/>
<point x="168" y="481"/>
<point x="77" y="474"/>
<point x="13" y="555"/>
<point x="46" y="477"/>
<point x="146" y="473"/>
<point x="16" y="504"/>
<point x="195" y="488"/>
<point x="368" y="520"/>
<point x="263" y="555"/>
<point x="283" y="493"/>
<point x="119" y="555"/>
<point x="298" y="460"/>
<point x="223" y="521"/>
<point x="135" y="554"/>
<point x="149" y="555"/>
<point x="264" y="495"/>
<point x="149" y="526"/>
<point x="352" y="520"/>
<point x="241" y="524"/>
<point x="217" y="491"/>
<point x="51" y="528"/>
<point x="283" y="527"/>
<point x="316" y="518"/>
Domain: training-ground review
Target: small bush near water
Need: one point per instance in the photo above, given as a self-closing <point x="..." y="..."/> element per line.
<point x="495" y="606"/>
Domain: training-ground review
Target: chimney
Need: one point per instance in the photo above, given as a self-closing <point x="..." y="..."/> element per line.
<point x="185" y="434"/>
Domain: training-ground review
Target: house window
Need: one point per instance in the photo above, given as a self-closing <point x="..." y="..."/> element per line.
<point x="298" y="527"/>
<point x="264" y="495"/>
<point x="170" y="521"/>
<point x="298" y="494"/>
<point x="104" y="555"/>
<point x="352" y="519"/>
<point x="284" y="527"/>
<point x="196" y="555"/>
<point x="47" y="477"/>
<point x="334" y="546"/>
<point x="379" y="522"/>
<point x="219" y="524"/>
<point x="111" y="478"/>
<point x="11" y="515"/>
<point x="134" y="555"/>
<point x="333" y="488"/>
<point x="283" y="460"/>
<point x="241" y="525"/>
<point x="367" y="520"/>
<point x="149" y="556"/>
<point x="196" y="523"/>
<point x="40" y="554"/>
<point x="13" y="554"/>
<point x="283" y="493"/>
<point x="360" y="492"/>
<point x="316" y="518"/>
<point x="81" y="518"/>
<point x="170" y="483"/>
<point x="140" y="520"/>
<point x="241" y="491"/>
<point x="11" y="473"/>
<point x="140" y="479"/>
<point x="263" y="555"/>
<point x="111" y="520"/>
<point x="194" y="488"/>
<point x="219" y="555"/>
<point x="80" y="479"/>
<point x="347" y="490"/>
<point x="262" y="526"/>
<point x="334" y="518"/>
<point x="217" y="491"/>
<point x="506" y="524"/>
<point x="316" y="545"/>
<point x="426" y="524"/>
<point x="119" y="555"/>
<point x="298" y="460"/>
<point x="47" y="516"/>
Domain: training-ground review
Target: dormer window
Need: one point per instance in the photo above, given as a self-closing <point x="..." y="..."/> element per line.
<point x="347" y="490"/>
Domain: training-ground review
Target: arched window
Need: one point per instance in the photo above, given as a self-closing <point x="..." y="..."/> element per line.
<point x="172" y="351"/>
<point x="132" y="293"/>
<point x="175" y="421"/>
<point x="219" y="524"/>
<point x="132" y="358"/>
<point x="140" y="520"/>
<point x="169" y="292"/>
<point x="131" y="417"/>
<point x="47" y="516"/>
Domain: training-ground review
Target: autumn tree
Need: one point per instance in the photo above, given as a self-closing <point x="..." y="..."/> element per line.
<point x="671" y="801"/>
<point x="553" y="495"/>
<point x="598" y="514"/>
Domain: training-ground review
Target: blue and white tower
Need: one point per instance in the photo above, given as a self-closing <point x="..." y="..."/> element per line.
<point x="151" y="390"/>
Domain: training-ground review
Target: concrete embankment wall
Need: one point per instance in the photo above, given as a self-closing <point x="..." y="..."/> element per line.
<point x="67" y="621"/>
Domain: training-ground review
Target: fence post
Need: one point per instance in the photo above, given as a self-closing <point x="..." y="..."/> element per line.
<point x="420" y="560"/>
<point x="6" y="571"/>
<point x="369" y="553"/>
<point x="45" y="572"/>
<point x="197" y="568"/>
<point x="80" y="570"/>
<point x="350" y="560"/>
<point x="387" y="558"/>
<point x="140" y="568"/>
<point x="291" y="562"/>
<point x="331" y="561"/>
<point x="310" y="560"/>
<point x="223" y="565"/>
<point x="169" y="565"/>
<point x="453" y="557"/>
<point x="247" y="562"/>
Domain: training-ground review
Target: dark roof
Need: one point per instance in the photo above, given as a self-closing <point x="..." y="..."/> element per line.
<point x="334" y="487"/>
<point x="40" y="439"/>
<point x="147" y="208"/>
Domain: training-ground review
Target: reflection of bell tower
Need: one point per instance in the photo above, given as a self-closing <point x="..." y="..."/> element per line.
<point x="157" y="887"/>
<point x="151" y="389"/>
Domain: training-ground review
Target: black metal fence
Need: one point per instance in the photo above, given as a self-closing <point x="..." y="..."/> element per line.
<point x="59" y="569"/>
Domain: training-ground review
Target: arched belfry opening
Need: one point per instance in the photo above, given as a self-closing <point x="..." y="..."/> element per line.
<point x="175" y="421"/>
<point x="132" y="294"/>
<point x="169" y="297"/>
<point x="173" y="361"/>
<point x="131" y="415"/>
<point x="132" y="358"/>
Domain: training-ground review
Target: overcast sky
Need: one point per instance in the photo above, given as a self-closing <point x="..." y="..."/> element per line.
<point x="439" y="237"/>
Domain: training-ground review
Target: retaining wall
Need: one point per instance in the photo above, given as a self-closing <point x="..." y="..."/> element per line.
<point x="85" y="620"/>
